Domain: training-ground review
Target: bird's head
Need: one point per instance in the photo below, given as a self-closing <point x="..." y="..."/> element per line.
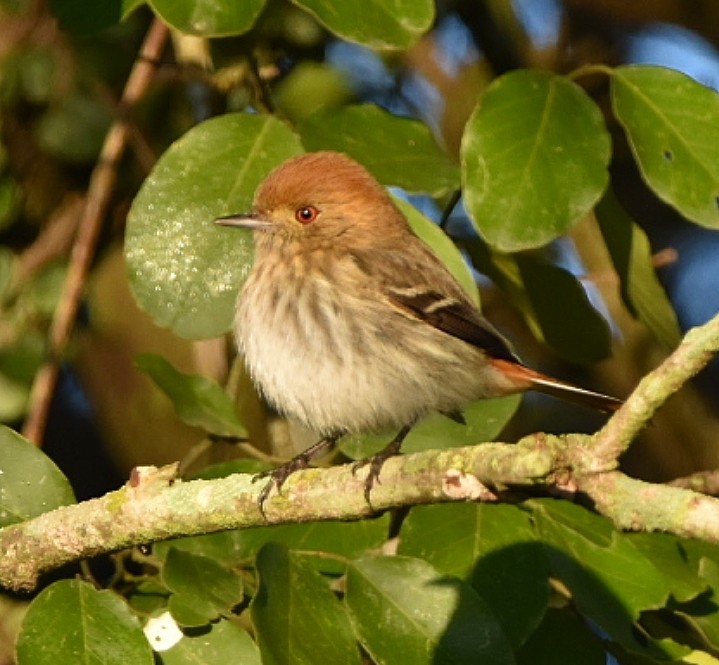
<point x="317" y="198"/>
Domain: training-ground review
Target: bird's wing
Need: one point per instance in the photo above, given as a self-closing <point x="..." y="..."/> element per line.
<point x="419" y="285"/>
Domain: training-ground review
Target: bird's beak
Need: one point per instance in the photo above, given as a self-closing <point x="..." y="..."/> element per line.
<point x="251" y="221"/>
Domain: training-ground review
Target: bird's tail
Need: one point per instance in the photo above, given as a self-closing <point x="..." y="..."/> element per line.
<point x="551" y="386"/>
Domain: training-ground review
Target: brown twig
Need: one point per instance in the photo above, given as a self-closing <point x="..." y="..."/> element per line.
<point x="99" y="192"/>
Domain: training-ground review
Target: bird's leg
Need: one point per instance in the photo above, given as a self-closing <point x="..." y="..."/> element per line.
<point x="278" y="475"/>
<point x="377" y="461"/>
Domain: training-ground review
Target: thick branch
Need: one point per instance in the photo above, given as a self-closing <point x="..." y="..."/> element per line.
<point x="636" y="505"/>
<point x="153" y="506"/>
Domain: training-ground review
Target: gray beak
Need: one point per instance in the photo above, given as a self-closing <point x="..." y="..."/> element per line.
<point x="251" y="221"/>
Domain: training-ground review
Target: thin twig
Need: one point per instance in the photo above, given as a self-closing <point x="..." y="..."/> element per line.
<point x="696" y="350"/>
<point x="99" y="193"/>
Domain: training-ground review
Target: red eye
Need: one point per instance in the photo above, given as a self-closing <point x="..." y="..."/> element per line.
<point x="306" y="215"/>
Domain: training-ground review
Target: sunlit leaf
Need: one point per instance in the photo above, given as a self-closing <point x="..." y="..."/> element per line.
<point x="672" y="123"/>
<point x="293" y="602"/>
<point x="534" y="159"/>
<point x="399" y="152"/>
<point x="407" y="613"/>
<point x="374" y="23"/>
<point x="184" y="270"/>
<point x="631" y="255"/>
<point x="222" y="642"/>
<point x="209" y="19"/>
<point x="494" y="548"/>
<point x="202" y="588"/>
<point x="71" y="622"/>
<point x="30" y="483"/>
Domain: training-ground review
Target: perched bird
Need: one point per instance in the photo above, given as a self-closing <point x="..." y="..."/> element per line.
<point x="349" y="323"/>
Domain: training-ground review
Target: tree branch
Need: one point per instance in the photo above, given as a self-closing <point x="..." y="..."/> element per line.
<point x="154" y="505"/>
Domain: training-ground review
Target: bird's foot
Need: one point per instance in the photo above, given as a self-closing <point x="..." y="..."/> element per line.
<point x="277" y="477"/>
<point x="280" y="474"/>
<point x="376" y="462"/>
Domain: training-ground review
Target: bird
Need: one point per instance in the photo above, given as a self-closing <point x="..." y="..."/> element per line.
<point x="349" y="323"/>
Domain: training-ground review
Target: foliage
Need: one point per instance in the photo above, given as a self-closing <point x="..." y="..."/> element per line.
<point x="544" y="580"/>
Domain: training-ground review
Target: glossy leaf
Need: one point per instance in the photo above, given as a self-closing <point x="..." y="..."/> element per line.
<point x="668" y="555"/>
<point x="202" y="588"/>
<point x="484" y="419"/>
<point x="406" y="612"/>
<point x="296" y="616"/>
<point x="71" y="622"/>
<point x="534" y="159"/>
<point x="399" y="152"/>
<point x="672" y="123"/>
<point x="222" y="642"/>
<point x="374" y="23"/>
<point x="342" y="539"/>
<point x="198" y="400"/>
<point x="208" y="19"/>
<point x="184" y="270"/>
<point x="631" y="255"/>
<point x="610" y="581"/>
<point x="494" y="548"/>
<point x="567" y="321"/>
<point x="30" y="483"/>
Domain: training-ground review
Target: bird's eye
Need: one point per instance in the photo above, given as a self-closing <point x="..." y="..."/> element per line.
<point x="306" y="214"/>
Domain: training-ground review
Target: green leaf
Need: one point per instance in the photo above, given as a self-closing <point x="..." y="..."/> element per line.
<point x="631" y="255"/>
<point x="398" y="151"/>
<point x="374" y="23"/>
<point x="208" y="19"/>
<point x="71" y="622"/>
<point x="672" y="123"/>
<point x="568" y="323"/>
<point x="342" y="539"/>
<point x="611" y="582"/>
<point x="183" y="269"/>
<point x="30" y="483"/>
<point x="224" y="642"/>
<point x="203" y="589"/>
<point x="561" y="632"/>
<point x="406" y="612"/>
<point x="701" y="612"/>
<point x="534" y="159"/>
<point x="441" y="244"/>
<point x="296" y="616"/>
<point x="491" y="546"/>
<point x="484" y="419"/>
<point x="198" y="400"/>
<point x="668" y="555"/>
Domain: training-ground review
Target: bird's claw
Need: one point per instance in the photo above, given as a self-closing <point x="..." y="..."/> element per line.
<point x="375" y="463"/>
<point x="277" y="477"/>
